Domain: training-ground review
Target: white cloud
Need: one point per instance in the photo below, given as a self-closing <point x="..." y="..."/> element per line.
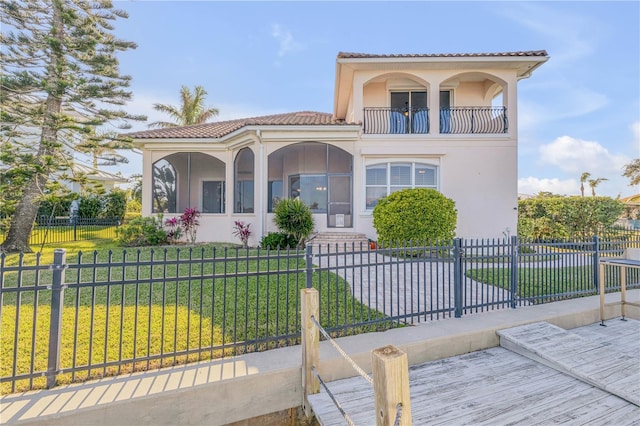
<point x="285" y="39"/>
<point x="533" y="185"/>
<point x="576" y="156"/>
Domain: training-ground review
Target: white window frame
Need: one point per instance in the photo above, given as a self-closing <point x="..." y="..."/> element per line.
<point x="435" y="167"/>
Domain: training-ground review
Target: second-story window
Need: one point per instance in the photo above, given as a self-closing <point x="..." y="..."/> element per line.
<point x="408" y="100"/>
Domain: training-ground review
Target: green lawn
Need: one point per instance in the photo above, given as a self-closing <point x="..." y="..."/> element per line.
<point x="237" y="300"/>
<point x="65" y="233"/>
<point x="538" y="282"/>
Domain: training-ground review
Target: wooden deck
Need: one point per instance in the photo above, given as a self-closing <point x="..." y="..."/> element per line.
<point x="499" y="386"/>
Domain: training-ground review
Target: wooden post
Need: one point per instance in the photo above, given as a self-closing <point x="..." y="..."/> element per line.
<point x="391" y="385"/>
<point x="623" y="291"/>
<point x="310" y="345"/>
<point x="602" y="266"/>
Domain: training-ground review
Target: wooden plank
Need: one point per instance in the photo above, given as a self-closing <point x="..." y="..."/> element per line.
<point x="497" y="386"/>
<point x="594" y="362"/>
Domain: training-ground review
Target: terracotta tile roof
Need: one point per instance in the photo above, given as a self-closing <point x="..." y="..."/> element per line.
<point x="350" y="55"/>
<point x="222" y="128"/>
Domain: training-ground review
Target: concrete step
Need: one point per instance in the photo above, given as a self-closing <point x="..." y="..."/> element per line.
<point x="596" y="363"/>
<point x="339" y="241"/>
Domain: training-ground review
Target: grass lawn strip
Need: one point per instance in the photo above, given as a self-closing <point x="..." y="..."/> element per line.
<point x="212" y="298"/>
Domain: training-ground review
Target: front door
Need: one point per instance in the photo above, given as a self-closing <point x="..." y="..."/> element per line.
<point x="339" y="212"/>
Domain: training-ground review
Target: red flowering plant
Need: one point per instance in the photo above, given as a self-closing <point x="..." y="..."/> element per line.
<point x="189" y="223"/>
<point x="174" y="230"/>
<point x="243" y="232"/>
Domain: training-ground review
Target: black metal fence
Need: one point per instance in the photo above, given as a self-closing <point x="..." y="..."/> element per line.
<point x="467" y="120"/>
<point x="396" y="120"/>
<point x="65" y="229"/>
<point x="113" y="312"/>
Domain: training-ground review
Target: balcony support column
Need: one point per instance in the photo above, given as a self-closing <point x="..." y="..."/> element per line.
<point x="434" y="105"/>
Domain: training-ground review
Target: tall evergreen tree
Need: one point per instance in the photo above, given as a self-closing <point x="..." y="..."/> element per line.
<point x="102" y="148"/>
<point x="60" y="79"/>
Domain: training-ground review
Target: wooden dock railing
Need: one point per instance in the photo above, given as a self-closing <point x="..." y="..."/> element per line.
<point x="390" y="370"/>
<point x="630" y="259"/>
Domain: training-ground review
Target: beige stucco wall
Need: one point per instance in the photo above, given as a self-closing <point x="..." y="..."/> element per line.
<point x="478" y="172"/>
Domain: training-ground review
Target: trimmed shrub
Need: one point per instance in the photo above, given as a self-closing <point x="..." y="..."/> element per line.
<point x="142" y="231"/>
<point x="294" y="218"/>
<point x="115" y="204"/>
<point x="419" y="214"/>
<point x="89" y="206"/>
<point x="53" y="204"/>
<point x="274" y="240"/>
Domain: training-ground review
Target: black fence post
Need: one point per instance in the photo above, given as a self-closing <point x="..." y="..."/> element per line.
<point x="55" y="321"/>
<point x="308" y="270"/>
<point x="457" y="277"/>
<point x="75" y="228"/>
<point x="514" y="271"/>
<point x="596" y="262"/>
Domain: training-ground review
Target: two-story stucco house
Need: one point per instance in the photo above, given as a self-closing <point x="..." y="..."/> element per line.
<point x="443" y="121"/>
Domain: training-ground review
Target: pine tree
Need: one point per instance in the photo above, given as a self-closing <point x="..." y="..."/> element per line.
<point x="61" y="79"/>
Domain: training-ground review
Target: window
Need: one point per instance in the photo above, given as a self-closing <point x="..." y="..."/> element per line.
<point x="304" y="171"/>
<point x="178" y="183"/>
<point x="243" y="189"/>
<point x="275" y="194"/>
<point x="410" y="100"/>
<point x="311" y="190"/>
<point x="212" y="197"/>
<point x="383" y="179"/>
<point x="408" y="112"/>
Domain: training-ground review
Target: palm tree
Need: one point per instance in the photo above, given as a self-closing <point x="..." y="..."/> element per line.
<point x="190" y="111"/>
<point x="595" y="182"/>
<point x="583" y="178"/>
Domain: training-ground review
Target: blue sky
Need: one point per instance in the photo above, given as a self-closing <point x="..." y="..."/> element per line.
<point x="579" y="112"/>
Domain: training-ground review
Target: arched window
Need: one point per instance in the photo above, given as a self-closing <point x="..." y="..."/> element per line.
<point x="244" y="182"/>
<point x="384" y="178"/>
<point x="188" y="179"/>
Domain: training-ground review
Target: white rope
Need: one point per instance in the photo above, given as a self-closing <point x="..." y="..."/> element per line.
<point x="398" y="414"/>
<point x="335" y="401"/>
<point x="343" y="353"/>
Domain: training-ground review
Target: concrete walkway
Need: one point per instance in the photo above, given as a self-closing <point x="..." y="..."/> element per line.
<point x="395" y="286"/>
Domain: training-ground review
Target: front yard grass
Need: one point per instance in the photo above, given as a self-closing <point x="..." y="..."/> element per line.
<point x="538" y="284"/>
<point x="229" y="303"/>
